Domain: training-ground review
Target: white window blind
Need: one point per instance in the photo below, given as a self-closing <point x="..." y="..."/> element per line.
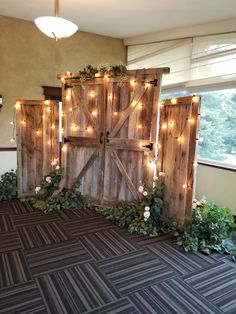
<point x="193" y="62"/>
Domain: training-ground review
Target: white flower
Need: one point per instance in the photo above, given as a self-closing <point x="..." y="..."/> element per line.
<point x="145" y="193"/>
<point x="146" y="214"/>
<point x="48" y="179"/>
<point x="140" y="189"/>
<point x="147" y="208"/>
<point x="145" y="219"/>
<point x="162" y="174"/>
<point x="57" y="167"/>
<point x="37" y="189"/>
<point x="53" y="163"/>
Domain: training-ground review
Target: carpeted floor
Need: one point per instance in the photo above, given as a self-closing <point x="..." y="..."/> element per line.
<point x="78" y="262"/>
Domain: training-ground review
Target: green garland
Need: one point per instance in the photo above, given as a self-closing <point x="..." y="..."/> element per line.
<point x="142" y="217"/>
<point x="47" y="202"/>
<point x="90" y="72"/>
<point x="210" y="229"/>
<point x="8" y="186"/>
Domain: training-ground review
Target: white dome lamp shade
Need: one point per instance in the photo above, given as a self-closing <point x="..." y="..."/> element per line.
<point x="55" y="26"/>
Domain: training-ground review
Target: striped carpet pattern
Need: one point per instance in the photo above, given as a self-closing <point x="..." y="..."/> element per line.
<point x="78" y="262"/>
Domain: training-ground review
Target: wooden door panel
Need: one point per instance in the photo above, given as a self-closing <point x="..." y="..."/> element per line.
<point x="129" y="119"/>
<point x="85" y="123"/>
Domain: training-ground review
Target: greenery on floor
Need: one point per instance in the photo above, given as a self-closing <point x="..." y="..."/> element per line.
<point x="210" y="229"/>
<point x="143" y="217"/>
<point x="8" y="186"/>
<point x="47" y="201"/>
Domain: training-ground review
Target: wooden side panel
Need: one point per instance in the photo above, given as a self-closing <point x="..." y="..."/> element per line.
<point x="37" y="142"/>
<point x="176" y="151"/>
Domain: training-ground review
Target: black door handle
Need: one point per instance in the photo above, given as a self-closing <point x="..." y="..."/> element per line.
<point x="150" y="146"/>
<point x="107" y="139"/>
<point x="101" y="137"/>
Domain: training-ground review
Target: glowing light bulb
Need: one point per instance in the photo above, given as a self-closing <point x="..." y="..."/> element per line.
<point x="179" y="139"/>
<point x="151" y="164"/>
<point x="195" y="164"/>
<point x="53" y="126"/>
<point x="164" y="126"/>
<point x="43" y="116"/>
<point x="68" y="73"/>
<point x="184" y="186"/>
<point x="23" y="122"/>
<point x="64" y="148"/>
<point x="63" y="80"/>
<point x="71" y="109"/>
<point x="74" y="127"/>
<point x="195" y="98"/>
<point x="140" y="106"/>
<point x="147" y="85"/>
<point x="97" y="74"/>
<point x="133" y="82"/>
<point x="133" y="103"/>
<point x="46" y="102"/>
<point x="68" y="96"/>
<point x="17" y="105"/>
<point x="37" y="132"/>
<point x="48" y="109"/>
<point x="115" y="113"/>
<point x="49" y="142"/>
<point x="140" y="126"/>
<point x="106" y="76"/>
<point x="174" y="101"/>
<point x="62" y="131"/>
<point x="92" y="94"/>
<point x="13" y="140"/>
<point x="171" y="123"/>
<point x="190" y="120"/>
<point x="11" y="123"/>
<point x="94" y="113"/>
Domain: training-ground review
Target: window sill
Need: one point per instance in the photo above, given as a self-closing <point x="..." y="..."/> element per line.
<point x="216" y="164"/>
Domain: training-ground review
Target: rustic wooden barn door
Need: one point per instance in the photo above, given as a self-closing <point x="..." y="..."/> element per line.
<point x="37" y="142"/>
<point x="131" y="126"/>
<point x="85" y="128"/>
<point x="176" y="153"/>
<point x="111" y="133"/>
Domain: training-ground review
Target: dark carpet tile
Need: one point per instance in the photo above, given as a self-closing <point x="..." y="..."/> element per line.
<point x="55" y="257"/>
<point x="182" y="262"/>
<point x="6" y="223"/>
<point x="172" y="296"/>
<point x="217" y="284"/>
<point x="9" y="241"/>
<point x="34" y="218"/>
<point x="22" y="299"/>
<point x="144" y="241"/>
<point x="70" y="215"/>
<point x="122" y="306"/>
<point x="88" y="225"/>
<point x="76" y="290"/>
<point x="42" y="235"/>
<point x="5" y="208"/>
<point x="106" y="244"/>
<point x="19" y="207"/>
<point x="13" y="269"/>
<point x="135" y="271"/>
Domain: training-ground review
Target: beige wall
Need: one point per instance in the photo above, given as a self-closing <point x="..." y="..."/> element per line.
<point x="218" y="185"/>
<point x="29" y="60"/>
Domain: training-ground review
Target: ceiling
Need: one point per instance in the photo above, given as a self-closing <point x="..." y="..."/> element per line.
<point x="125" y="18"/>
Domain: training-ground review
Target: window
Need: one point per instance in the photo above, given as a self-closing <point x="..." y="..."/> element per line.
<point x="217" y="130"/>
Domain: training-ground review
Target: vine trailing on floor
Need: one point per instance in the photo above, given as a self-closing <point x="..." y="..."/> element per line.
<point x="8" y="186"/>
<point x="45" y="199"/>
<point x="143" y="217"/>
<point x="210" y="229"/>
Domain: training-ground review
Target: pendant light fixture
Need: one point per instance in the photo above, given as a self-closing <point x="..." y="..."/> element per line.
<point x="55" y="26"/>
